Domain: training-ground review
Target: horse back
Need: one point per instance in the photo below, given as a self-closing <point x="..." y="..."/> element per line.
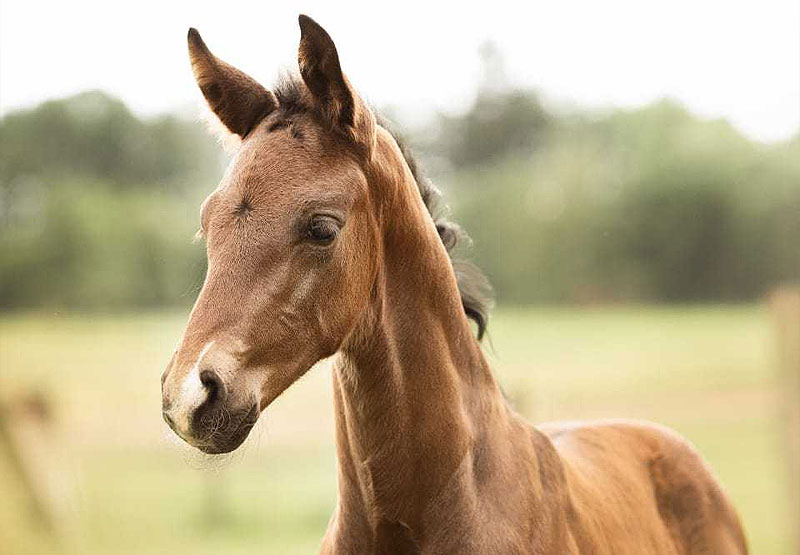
<point x="637" y="487"/>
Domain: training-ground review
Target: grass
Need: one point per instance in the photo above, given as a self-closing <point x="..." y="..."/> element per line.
<point x="131" y="488"/>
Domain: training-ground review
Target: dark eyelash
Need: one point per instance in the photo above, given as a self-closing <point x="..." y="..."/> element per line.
<point x="322" y="230"/>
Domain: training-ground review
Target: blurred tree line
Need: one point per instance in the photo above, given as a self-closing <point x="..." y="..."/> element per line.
<point x="642" y="205"/>
<point x="98" y="207"/>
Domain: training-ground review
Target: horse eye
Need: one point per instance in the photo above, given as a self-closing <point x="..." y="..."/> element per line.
<point x="323" y="230"/>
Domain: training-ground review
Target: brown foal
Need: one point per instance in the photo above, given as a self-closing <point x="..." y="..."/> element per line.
<point x="321" y="240"/>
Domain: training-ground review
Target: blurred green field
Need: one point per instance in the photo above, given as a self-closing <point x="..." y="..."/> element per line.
<point x="129" y="486"/>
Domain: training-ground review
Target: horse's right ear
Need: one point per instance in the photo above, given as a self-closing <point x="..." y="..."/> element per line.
<point x="236" y="98"/>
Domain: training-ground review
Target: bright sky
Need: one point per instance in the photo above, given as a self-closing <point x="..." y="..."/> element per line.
<point x="738" y="59"/>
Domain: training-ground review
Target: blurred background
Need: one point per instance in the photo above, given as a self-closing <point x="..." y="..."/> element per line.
<point x="629" y="173"/>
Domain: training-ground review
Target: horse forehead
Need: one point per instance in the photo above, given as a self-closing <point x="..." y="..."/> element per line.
<point x="276" y="172"/>
<point x="276" y="156"/>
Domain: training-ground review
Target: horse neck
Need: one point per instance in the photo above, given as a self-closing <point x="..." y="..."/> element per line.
<point x="412" y="388"/>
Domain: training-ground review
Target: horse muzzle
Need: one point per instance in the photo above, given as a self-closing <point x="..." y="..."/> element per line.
<point x="204" y="413"/>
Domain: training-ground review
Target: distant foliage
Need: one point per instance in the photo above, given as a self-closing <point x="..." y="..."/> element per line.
<point x="93" y="134"/>
<point x="498" y="125"/>
<point x="98" y="207"/>
<point x="645" y="205"/>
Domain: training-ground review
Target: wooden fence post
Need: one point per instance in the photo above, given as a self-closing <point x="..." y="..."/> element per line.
<point x="10" y="447"/>
<point x="785" y="308"/>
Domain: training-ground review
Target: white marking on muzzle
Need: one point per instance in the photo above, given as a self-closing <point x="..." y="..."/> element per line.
<point x="192" y="393"/>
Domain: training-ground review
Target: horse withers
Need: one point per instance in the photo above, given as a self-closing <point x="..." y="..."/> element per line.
<point x="323" y="239"/>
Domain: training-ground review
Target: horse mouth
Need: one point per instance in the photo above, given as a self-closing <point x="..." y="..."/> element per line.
<point x="222" y="431"/>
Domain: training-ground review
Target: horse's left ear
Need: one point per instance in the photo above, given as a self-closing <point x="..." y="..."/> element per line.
<point x="339" y="103"/>
<point x="236" y="98"/>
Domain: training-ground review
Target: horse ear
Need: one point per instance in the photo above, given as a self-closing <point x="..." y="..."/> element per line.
<point x="322" y="74"/>
<point x="236" y="98"/>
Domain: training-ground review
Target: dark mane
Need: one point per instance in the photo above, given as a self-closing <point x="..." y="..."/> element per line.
<point x="475" y="289"/>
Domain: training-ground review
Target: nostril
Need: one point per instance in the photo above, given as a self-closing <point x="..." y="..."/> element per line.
<point x="213" y="384"/>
